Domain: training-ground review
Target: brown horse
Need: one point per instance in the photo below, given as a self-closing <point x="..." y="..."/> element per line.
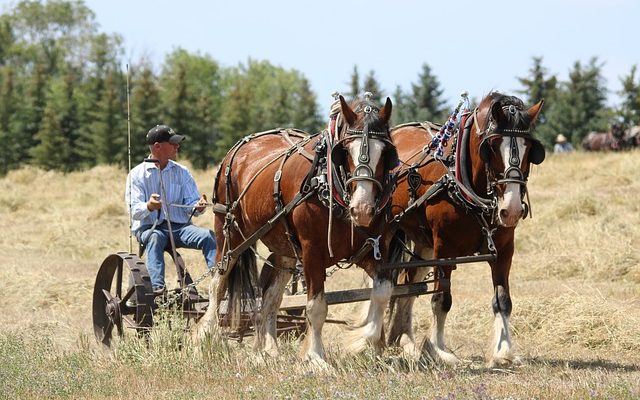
<point x="458" y="212"/>
<point x="270" y="175"/>
<point x="612" y="140"/>
<point x="632" y="137"/>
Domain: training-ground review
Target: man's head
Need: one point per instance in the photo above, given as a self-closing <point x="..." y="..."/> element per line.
<point x="161" y="134"/>
<point x="164" y="143"/>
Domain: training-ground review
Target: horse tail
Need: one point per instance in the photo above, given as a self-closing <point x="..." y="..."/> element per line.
<point x="244" y="291"/>
<point x="396" y="254"/>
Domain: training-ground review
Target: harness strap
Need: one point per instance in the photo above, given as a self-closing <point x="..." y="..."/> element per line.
<point x="438" y="186"/>
<point x="264" y="229"/>
<point x="279" y="205"/>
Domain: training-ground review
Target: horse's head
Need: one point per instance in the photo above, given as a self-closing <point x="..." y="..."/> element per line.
<point x="364" y="154"/>
<point x="617" y="136"/>
<point x="505" y="148"/>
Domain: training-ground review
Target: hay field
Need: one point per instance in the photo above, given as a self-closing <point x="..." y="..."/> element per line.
<point x="575" y="290"/>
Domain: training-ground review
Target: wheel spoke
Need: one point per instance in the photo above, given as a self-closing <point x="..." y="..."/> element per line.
<point x="108" y="329"/>
<point x="128" y="295"/>
<point x="107" y="295"/>
<point x="119" y="326"/>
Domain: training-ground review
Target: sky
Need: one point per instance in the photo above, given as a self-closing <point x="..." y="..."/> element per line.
<point x="476" y="46"/>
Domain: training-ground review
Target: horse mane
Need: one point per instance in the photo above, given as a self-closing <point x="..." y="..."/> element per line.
<point x="519" y="120"/>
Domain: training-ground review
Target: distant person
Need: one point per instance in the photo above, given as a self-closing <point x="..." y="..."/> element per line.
<point x="161" y="189"/>
<point x="562" y="145"/>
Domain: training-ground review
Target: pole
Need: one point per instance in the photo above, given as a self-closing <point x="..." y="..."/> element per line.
<point x="129" y="160"/>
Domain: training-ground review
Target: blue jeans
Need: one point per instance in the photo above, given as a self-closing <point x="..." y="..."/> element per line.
<point x="185" y="236"/>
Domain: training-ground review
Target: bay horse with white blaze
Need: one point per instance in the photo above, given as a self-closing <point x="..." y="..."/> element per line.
<point x="458" y="211"/>
<point x="282" y="187"/>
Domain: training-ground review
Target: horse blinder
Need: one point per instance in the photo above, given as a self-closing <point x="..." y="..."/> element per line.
<point x="338" y="154"/>
<point x="485" y="151"/>
<point x="391" y="158"/>
<point x="537" y="152"/>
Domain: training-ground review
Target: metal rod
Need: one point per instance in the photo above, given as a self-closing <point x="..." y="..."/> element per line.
<point x="439" y="262"/>
<point x="129" y="160"/>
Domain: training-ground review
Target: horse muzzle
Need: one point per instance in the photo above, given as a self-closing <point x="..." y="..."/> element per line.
<point x="362" y="214"/>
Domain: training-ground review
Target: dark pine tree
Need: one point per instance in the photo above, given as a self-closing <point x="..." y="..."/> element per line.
<point x="630" y="94"/>
<point x="426" y="101"/>
<point x="371" y="85"/>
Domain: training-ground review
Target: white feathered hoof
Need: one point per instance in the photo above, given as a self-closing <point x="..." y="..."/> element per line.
<point x="440" y="356"/>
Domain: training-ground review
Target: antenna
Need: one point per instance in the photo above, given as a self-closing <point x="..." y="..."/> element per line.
<point x="129" y="160"/>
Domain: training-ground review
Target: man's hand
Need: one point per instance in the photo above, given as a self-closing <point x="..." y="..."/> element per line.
<point x="202" y="203"/>
<point x="154" y="202"/>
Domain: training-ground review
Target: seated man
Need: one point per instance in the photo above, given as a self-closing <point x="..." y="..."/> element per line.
<point x="562" y="145"/>
<point x="162" y="197"/>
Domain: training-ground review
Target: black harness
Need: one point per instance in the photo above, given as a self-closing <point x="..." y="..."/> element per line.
<point x="457" y="180"/>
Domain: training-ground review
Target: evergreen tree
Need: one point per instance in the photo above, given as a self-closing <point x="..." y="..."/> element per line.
<point x="306" y="115"/>
<point x="425" y="103"/>
<point x="401" y="112"/>
<point x="193" y="90"/>
<point x="109" y="123"/>
<point x="262" y="97"/>
<point x="145" y="109"/>
<point x="579" y="105"/>
<point x="630" y="94"/>
<point x="233" y="122"/>
<point x="8" y="137"/>
<point x="97" y="114"/>
<point x="371" y="85"/>
<point x="539" y="85"/>
<point x="354" y="85"/>
<point x="30" y="112"/>
<point x="58" y="134"/>
<point x="53" y="147"/>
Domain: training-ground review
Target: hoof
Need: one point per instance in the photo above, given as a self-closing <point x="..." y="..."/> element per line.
<point x="317" y="364"/>
<point x="408" y="346"/>
<point x="440" y="356"/>
<point x="504" y="362"/>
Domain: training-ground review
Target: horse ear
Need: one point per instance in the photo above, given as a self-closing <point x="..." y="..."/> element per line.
<point x="534" y="111"/>
<point x="385" y="112"/>
<point x="347" y="112"/>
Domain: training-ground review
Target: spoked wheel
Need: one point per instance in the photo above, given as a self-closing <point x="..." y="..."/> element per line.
<point x="122" y="297"/>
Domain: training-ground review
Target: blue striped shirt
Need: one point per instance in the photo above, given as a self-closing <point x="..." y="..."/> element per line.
<point x="180" y="189"/>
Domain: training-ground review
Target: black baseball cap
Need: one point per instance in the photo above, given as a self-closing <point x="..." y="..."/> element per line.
<point x="163" y="133"/>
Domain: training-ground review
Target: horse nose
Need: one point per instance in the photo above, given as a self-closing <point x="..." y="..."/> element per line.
<point x="511" y="218"/>
<point x="362" y="214"/>
<point x="363" y="209"/>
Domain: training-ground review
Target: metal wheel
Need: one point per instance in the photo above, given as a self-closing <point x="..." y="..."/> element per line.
<point x="122" y="297"/>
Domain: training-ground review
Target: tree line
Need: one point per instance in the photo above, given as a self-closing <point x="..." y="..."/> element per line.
<point x="65" y="97"/>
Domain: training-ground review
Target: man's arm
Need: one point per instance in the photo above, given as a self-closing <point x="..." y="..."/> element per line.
<point x="139" y="204"/>
<point x="192" y="196"/>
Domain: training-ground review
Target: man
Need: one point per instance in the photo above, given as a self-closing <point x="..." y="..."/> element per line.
<point x="162" y="197"/>
<point x="562" y="145"/>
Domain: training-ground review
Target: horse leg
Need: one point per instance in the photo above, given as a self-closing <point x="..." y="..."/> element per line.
<point x="502" y="348"/>
<point x="317" y="309"/>
<point x="401" y="316"/>
<point x="209" y="323"/>
<point x="435" y="346"/>
<point x="369" y="331"/>
<point x="272" y="292"/>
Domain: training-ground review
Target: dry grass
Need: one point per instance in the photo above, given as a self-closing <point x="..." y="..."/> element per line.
<point x="575" y="287"/>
